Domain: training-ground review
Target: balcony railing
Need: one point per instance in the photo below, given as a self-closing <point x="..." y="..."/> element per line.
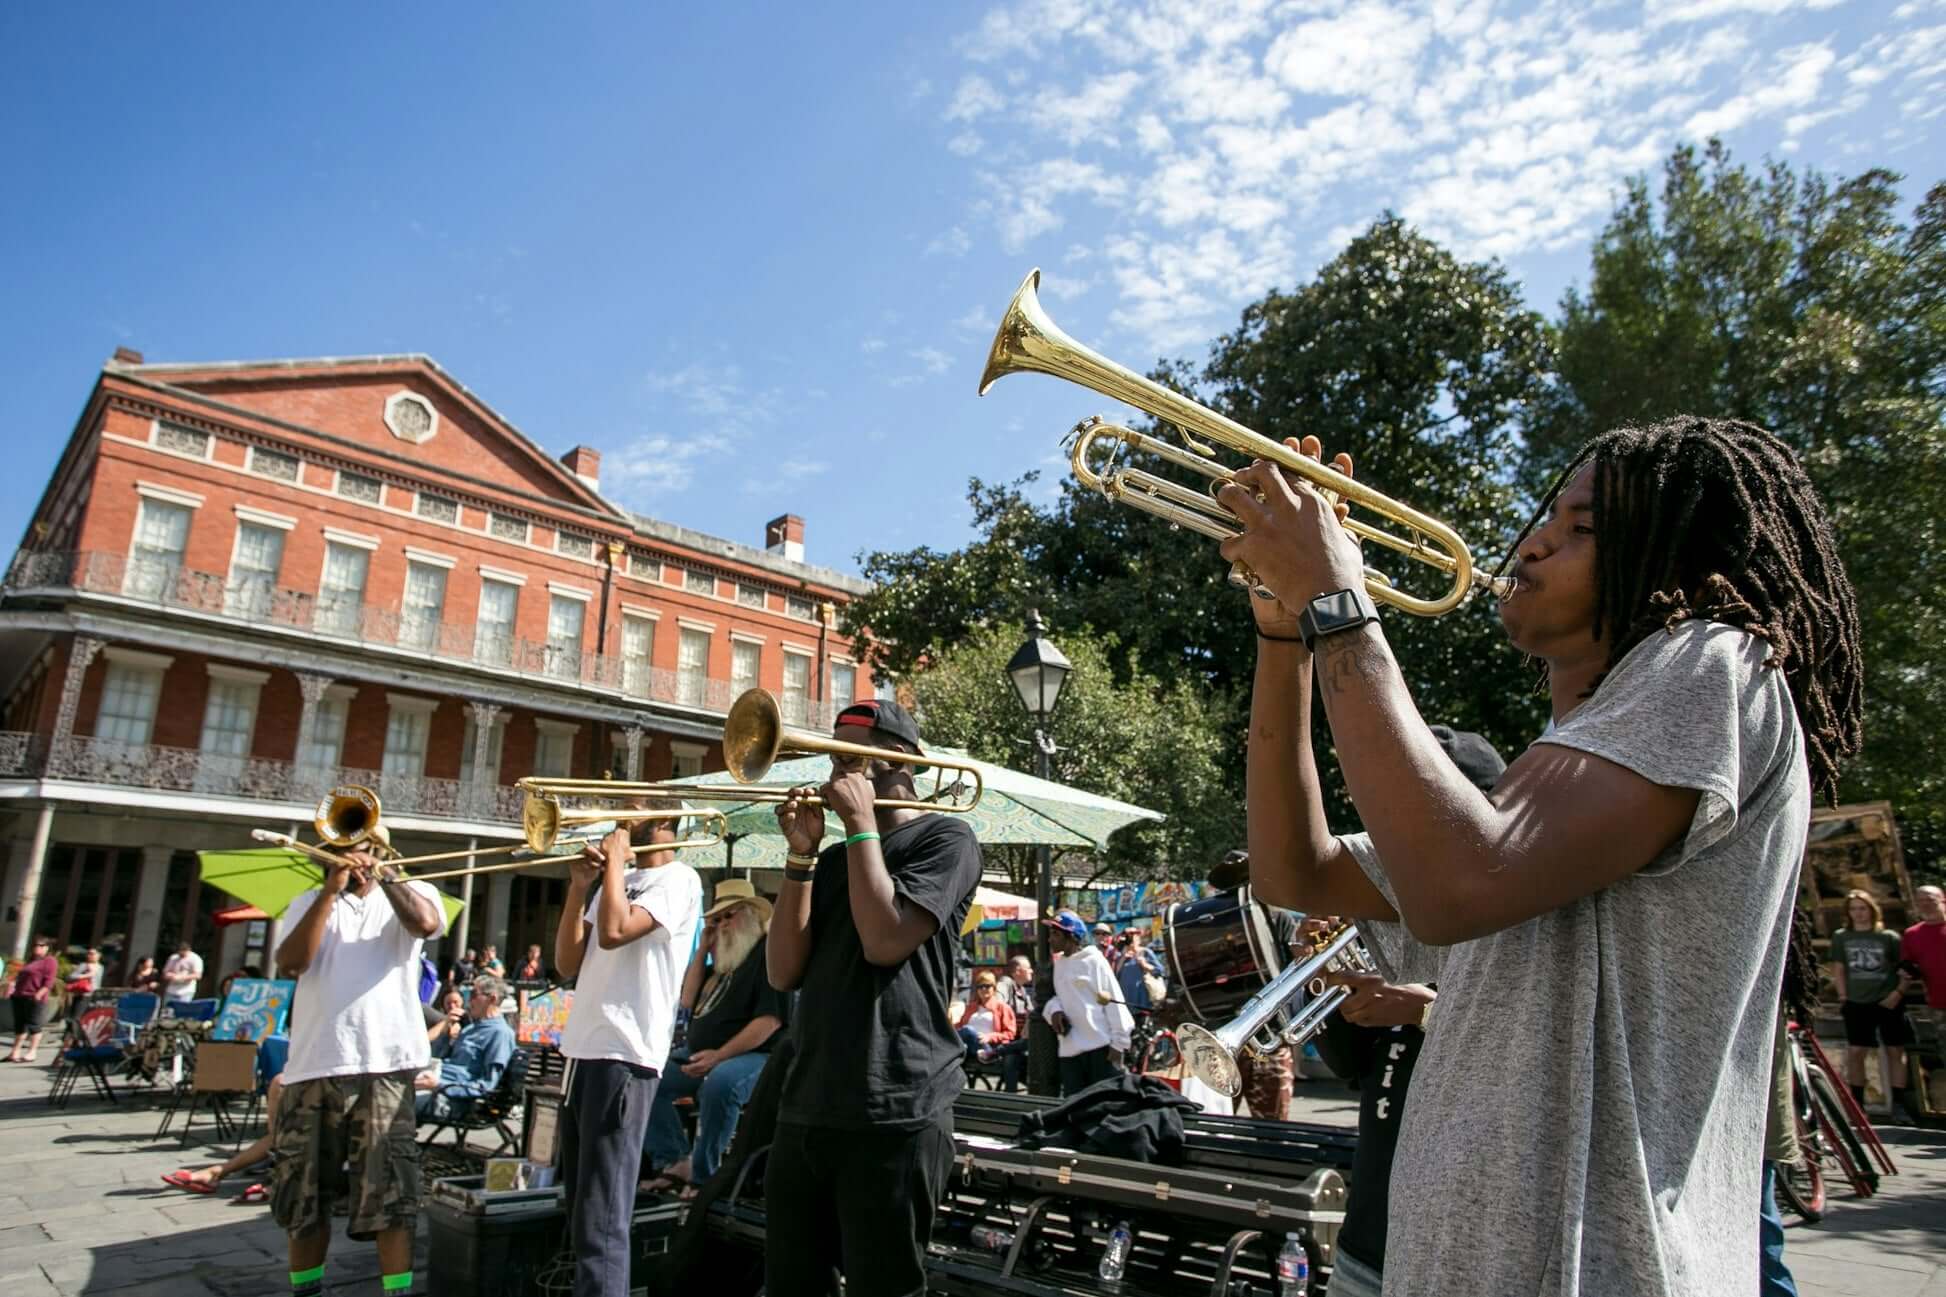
<point x="187" y="770"/>
<point x="336" y="619"/>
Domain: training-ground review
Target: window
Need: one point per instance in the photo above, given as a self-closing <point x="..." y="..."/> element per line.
<point x="574" y="546"/>
<point x="647" y="566"/>
<point x="425" y="599"/>
<point x="564" y="616"/>
<point x="436" y="507"/>
<point x="638" y="646"/>
<point x="324" y="749"/>
<point x="698" y="582"/>
<point x="229" y="720"/>
<point x="155" y="560"/>
<point x="692" y="666"/>
<point x="685" y="760"/>
<point x="405" y="738"/>
<point x="506" y="526"/>
<point x="750" y="596"/>
<point x="128" y="698"/>
<point x="187" y="441"/>
<point x="798" y="607"/>
<point x="844" y="683"/>
<point x="273" y="463"/>
<point x="797" y="688"/>
<point x="493" y="636"/>
<point x="253" y="572"/>
<point x="356" y="486"/>
<point x="553" y="748"/>
<point x="619" y="748"/>
<point x="341" y="591"/>
<point x="745" y="659"/>
<point x="469" y="744"/>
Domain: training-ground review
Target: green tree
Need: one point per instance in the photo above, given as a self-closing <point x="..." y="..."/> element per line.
<point x="1121" y="733"/>
<point x="1416" y="363"/>
<point x="1806" y="305"/>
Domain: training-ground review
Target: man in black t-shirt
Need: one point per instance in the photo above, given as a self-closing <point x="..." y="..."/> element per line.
<point x="868" y="931"/>
<point x="736" y="1016"/>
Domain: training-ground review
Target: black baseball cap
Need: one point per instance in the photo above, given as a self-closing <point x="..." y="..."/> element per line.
<point x="1475" y="757"/>
<point x="885" y="716"/>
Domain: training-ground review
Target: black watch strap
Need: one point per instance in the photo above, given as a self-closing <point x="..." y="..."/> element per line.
<point x="796" y="875"/>
<point x="1328" y="614"/>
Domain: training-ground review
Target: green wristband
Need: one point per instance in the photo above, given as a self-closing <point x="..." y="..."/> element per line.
<point x="856" y="838"/>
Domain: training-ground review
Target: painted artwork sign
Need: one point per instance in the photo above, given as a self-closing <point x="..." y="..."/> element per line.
<point x="543" y="1017"/>
<point x="255" y="1007"/>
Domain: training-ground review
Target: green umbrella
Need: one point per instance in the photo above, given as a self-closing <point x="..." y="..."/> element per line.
<point x="270" y="878"/>
<point x="1015" y="808"/>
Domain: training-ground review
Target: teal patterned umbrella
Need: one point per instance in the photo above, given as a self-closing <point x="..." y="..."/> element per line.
<point x="1015" y="808"/>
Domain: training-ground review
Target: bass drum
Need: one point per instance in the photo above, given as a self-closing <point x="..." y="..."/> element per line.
<point x="1221" y="952"/>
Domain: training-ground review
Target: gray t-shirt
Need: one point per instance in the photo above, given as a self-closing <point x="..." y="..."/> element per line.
<point x="1588" y="1114"/>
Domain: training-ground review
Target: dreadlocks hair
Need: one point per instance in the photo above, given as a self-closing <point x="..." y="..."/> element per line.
<point x="1716" y="519"/>
<point x="1803" y="977"/>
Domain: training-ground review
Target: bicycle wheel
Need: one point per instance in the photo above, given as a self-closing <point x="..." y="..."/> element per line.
<point x="1800" y="1183"/>
<point x="1839" y="1138"/>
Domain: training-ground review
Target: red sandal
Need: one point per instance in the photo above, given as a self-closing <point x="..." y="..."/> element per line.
<point x="187" y="1183"/>
<point x="255" y="1193"/>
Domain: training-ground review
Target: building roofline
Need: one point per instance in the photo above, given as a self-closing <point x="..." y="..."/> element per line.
<point x="674" y="534"/>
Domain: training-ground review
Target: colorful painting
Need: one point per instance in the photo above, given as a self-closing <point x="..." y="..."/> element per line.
<point x="543" y="1018"/>
<point x="255" y="1007"/>
<point x="990" y="946"/>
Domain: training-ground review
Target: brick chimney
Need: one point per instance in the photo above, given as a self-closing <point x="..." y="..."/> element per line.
<point x="585" y="463"/>
<point x="126" y="356"/>
<point x="785" y="537"/>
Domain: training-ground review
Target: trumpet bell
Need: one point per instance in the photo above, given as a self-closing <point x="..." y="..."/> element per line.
<point x="1209" y="1060"/>
<point x="753" y="735"/>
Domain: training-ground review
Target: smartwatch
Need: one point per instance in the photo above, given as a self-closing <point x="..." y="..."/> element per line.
<point x="1330" y="613"/>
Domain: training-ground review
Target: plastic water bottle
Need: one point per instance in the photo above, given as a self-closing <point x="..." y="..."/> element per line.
<point x="992" y="1238"/>
<point x="1114" y="1257"/>
<point x="1293" y="1268"/>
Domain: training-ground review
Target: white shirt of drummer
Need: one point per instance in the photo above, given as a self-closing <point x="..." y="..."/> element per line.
<point x="1085" y="991"/>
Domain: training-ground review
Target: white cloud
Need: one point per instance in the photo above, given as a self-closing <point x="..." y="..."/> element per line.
<point x="933" y="359"/>
<point x="1210" y="149"/>
<point x="952" y="243"/>
<point x="699" y="415"/>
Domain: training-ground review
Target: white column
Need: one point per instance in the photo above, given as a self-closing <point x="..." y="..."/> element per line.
<point x="29" y="892"/>
<point x="313" y="688"/>
<point x="480" y="795"/>
<point x="465" y="922"/>
<point x="144" y="930"/>
<point x="632" y="735"/>
<point x="500" y="895"/>
<point x="80" y="654"/>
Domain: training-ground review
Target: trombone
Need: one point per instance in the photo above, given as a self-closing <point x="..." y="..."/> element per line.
<point x="349" y="817"/>
<point x="1028" y="341"/>
<point x="754" y="740"/>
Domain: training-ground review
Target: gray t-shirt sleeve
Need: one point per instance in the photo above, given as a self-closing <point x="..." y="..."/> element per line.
<point x="1402" y="957"/>
<point x="1690" y="708"/>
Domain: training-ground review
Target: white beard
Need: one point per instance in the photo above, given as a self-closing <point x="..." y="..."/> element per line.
<point x="737" y="938"/>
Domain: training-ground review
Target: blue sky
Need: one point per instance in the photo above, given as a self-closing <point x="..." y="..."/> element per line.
<point x="755" y="254"/>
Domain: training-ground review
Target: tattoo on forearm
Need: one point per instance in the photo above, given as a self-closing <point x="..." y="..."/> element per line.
<point x="1351" y="662"/>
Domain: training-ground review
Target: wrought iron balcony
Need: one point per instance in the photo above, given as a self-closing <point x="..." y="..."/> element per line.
<point x="254" y="602"/>
<point x="187" y="770"/>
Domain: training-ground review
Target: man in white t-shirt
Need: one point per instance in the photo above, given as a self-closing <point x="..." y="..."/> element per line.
<point x="358" y="1038"/>
<point x="1086" y="1009"/>
<point x="181" y="973"/>
<point x="624" y="935"/>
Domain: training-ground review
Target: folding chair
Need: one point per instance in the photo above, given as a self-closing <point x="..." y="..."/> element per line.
<point x="493" y="1111"/>
<point x="224" y="1070"/>
<point x="194" y="1010"/>
<point x="92" y="1047"/>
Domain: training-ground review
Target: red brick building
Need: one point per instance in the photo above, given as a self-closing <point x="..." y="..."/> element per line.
<point x="249" y="583"/>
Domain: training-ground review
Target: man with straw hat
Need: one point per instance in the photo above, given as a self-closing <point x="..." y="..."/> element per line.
<point x="735" y="1015"/>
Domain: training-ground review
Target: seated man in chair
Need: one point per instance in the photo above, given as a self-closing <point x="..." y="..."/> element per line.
<point x="735" y="1014"/>
<point x="473" y="1065"/>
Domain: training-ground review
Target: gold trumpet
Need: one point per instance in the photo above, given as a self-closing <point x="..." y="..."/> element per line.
<point x="1028" y="341"/>
<point x="349" y="817"/>
<point x="754" y="740"/>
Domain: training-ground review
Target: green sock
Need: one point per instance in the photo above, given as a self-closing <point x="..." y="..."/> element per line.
<point x="396" y="1282"/>
<point x="307" y="1283"/>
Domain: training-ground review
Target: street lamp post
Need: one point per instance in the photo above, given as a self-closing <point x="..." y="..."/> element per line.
<point x="1037" y="671"/>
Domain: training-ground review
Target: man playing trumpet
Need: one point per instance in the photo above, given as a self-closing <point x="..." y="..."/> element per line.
<point x="1607" y="925"/>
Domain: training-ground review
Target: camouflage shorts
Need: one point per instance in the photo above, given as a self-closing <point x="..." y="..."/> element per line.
<point x="347" y="1134"/>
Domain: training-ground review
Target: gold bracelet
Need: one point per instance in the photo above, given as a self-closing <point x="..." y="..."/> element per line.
<point x="803" y="862"/>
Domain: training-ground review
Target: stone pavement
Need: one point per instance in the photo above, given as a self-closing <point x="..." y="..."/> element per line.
<point x="83" y="1211"/>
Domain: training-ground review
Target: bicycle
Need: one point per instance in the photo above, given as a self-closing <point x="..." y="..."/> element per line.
<point x="1832" y="1131"/>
